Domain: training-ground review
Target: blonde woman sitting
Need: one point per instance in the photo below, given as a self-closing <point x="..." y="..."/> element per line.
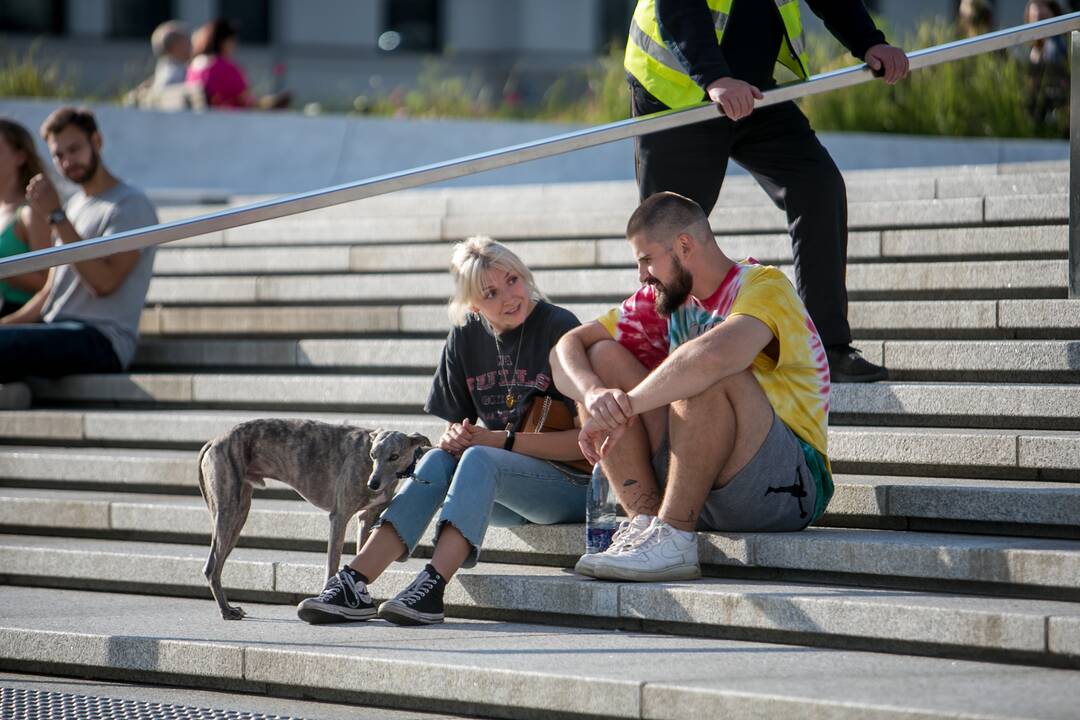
<point x="494" y="363"/>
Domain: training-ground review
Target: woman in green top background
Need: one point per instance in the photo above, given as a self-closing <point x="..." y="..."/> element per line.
<point x="20" y="229"/>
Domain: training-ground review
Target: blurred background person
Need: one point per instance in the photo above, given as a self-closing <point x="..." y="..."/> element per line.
<point x="222" y="80"/>
<point x="974" y="17"/>
<point x="1048" y="71"/>
<point x="166" y="89"/>
<point x="86" y="317"/>
<point x="171" y="43"/>
<point x="21" y="229"/>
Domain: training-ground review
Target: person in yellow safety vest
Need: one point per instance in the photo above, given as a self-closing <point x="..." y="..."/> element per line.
<point x="683" y="52"/>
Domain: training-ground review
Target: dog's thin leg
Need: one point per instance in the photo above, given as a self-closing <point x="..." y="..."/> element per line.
<point x="338" y="524"/>
<point x="225" y="535"/>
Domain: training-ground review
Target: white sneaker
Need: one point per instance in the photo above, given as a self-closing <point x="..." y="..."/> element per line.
<point x="659" y="554"/>
<point x="623" y="539"/>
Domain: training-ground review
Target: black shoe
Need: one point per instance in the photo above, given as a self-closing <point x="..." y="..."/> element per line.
<point x="847" y="365"/>
<point x="344" y="599"/>
<point x="419" y="604"/>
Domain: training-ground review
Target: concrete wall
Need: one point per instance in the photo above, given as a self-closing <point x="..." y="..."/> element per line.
<point x="280" y="153"/>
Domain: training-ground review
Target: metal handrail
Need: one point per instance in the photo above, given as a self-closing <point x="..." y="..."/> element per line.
<point x="548" y="147"/>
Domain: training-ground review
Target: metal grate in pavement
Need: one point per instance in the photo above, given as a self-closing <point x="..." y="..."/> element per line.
<point x="22" y="704"/>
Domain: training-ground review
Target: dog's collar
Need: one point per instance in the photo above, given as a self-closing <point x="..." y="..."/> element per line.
<point x="407" y="472"/>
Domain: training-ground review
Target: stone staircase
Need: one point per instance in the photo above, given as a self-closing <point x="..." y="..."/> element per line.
<point x="943" y="581"/>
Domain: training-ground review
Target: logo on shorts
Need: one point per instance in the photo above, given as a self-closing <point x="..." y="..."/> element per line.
<point x="797" y="491"/>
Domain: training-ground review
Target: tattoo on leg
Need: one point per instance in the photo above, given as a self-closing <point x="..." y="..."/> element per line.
<point x="646" y="503"/>
<point x="690" y="516"/>
<point x="629" y="482"/>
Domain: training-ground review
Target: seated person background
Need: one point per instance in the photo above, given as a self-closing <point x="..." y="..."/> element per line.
<point x="167" y="89"/>
<point x="21" y="230"/>
<point x="86" y="317"/>
<point x="171" y="44"/>
<point x="222" y="80"/>
<point x="706" y="398"/>
<point x="494" y="363"/>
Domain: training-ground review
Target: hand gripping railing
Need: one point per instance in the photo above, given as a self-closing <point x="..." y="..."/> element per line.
<point x="559" y="144"/>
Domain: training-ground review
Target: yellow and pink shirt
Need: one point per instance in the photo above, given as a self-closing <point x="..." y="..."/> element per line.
<point x="796" y="383"/>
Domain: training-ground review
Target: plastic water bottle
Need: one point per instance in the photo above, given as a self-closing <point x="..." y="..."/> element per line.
<point x="600" y="508"/>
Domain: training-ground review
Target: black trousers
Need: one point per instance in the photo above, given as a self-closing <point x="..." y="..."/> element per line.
<point x="779" y="148"/>
<point x="53" y="350"/>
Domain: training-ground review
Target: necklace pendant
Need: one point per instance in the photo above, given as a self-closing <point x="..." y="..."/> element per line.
<point x="509" y="400"/>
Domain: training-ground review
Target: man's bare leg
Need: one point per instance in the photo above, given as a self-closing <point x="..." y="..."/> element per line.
<point x="713" y="435"/>
<point x="629" y="466"/>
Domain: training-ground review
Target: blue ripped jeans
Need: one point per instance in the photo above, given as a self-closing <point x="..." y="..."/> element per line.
<point x="487" y="486"/>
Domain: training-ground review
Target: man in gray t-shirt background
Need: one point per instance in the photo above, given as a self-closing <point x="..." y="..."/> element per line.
<point x="86" y="317"/>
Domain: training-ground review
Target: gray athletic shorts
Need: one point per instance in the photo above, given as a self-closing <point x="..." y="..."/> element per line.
<point x="774" y="492"/>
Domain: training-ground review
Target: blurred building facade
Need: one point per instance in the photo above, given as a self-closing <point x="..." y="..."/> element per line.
<point x="334" y="50"/>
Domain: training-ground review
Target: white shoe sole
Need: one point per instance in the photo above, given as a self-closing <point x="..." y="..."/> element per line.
<point x="631" y="574"/>
<point x="586" y="564"/>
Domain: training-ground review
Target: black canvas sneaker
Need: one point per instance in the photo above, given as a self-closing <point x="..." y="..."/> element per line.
<point x="419" y="604"/>
<point x="344" y="599"/>
<point x="847" y="365"/>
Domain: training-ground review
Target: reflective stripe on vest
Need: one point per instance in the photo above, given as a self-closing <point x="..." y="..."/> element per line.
<point x="661" y="70"/>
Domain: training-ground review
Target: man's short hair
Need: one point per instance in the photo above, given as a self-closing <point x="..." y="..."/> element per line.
<point x="166" y="35"/>
<point x="60" y="118"/>
<point x="661" y="217"/>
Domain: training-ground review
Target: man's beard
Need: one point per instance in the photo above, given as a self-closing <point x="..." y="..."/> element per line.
<point x="669" y="297"/>
<point x="85" y="176"/>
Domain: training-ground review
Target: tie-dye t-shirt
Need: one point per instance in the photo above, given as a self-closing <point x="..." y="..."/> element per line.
<point x="797" y="384"/>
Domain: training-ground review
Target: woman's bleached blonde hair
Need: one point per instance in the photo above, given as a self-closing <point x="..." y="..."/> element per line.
<point x="471" y="259"/>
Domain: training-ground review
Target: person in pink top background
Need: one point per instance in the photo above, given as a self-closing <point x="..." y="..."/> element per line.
<point x="221" y="78"/>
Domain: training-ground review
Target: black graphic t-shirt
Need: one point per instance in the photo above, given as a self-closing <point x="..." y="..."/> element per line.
<point x="474" y="377"/>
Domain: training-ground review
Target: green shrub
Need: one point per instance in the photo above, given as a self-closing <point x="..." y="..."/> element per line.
<point x="606" y="98"/>
<point x="27" y="77"/>
<point x="984" y="96"/>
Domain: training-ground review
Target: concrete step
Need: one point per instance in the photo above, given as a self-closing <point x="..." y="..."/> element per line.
<point x="509" y="669"/>
<point x="1008" y="566"/>
<point x="1024" y="242"/>
<point x="987" y="628"/>
<point x="1012" y="405"/>
<point x="1053" y="407"/>
<point x="863" y="186"/>
<point x="173" y="428"/>
<point x="899" y="319"/>
<point x="941" y="281"/>
<point x="987" y="361"/>
<point x="368" y="354"/>
<point x="44" y="497"/>
<point x="363" y="393"/>
<point x="1003" y="179"/>
<point x="606" y="222"/>
<point x="935" y="452"/>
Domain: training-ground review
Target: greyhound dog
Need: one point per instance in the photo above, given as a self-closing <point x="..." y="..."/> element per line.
<point x="338" y="468"/>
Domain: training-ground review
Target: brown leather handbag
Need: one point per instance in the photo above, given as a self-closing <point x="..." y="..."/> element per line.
<point x="546" y="414"/>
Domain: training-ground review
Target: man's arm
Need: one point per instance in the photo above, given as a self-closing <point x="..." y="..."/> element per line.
<point x="575" y="378"/>
<point x="689" y="32"/>
<point x="570" y="366"/>
<point x="103" y="275"/>
<point x="697" y="365"/>
<point x="31" y="311"/>
<point x="852" y="25"/>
